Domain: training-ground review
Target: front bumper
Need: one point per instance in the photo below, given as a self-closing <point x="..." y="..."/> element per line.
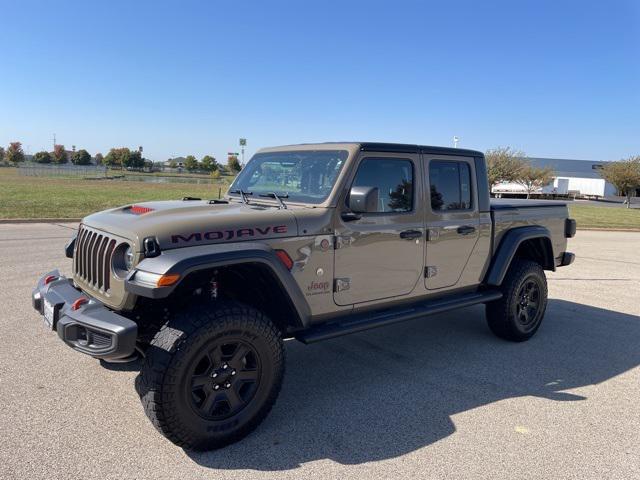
<point x="89" y="327"/>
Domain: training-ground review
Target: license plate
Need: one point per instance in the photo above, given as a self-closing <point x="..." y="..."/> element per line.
<point x="49" y="312"/>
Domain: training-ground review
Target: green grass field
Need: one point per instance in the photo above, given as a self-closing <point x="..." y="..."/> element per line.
<point x="50" y="197"/>
<point x="593" y="216"/>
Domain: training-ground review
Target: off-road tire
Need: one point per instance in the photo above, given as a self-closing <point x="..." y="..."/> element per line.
<point x="503" y="315"/>
<point x="165" y="383"/>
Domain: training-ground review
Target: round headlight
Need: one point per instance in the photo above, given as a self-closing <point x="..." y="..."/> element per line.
<point x="128" y="258"/>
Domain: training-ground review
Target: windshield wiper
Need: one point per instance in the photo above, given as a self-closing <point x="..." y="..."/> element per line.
<point x="243" y="195"/>
<point x="278" y="197"/>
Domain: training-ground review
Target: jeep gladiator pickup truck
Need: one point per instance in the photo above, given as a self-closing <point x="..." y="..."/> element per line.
<point x="311" y="242"/>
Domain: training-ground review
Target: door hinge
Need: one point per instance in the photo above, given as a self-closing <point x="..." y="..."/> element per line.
<point x="341" y="284"/>
<point x="432" y="234"/>
<point x="430" y="271"/>
<point x="342" y="241"/>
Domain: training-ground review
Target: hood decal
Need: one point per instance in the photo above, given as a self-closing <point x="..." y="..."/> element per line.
<point x="250" y="232"/>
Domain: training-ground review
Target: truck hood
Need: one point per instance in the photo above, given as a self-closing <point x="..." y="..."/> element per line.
<point x="194" y="222"/>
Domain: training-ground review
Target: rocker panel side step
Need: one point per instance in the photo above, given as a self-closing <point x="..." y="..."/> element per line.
<point x="365" y="321"/>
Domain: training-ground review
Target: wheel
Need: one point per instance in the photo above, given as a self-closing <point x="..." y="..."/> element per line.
<point x="518" y="314"/>
<point x="211" y="375"/>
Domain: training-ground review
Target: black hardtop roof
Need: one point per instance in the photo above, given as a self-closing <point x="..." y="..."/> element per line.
<point x="410" y="148"/>
<point x="400" y="148"/>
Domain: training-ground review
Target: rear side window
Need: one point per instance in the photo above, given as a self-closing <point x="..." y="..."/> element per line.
<point x="450" y="184"/>
<point x="394" y="179"/>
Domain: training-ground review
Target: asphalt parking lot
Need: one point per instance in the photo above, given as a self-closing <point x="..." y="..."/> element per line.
<point x="432" y="398"/>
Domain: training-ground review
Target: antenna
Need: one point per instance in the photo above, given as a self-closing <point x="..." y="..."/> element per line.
<point x="455" y="141"/>
<point x="54" y="141"/>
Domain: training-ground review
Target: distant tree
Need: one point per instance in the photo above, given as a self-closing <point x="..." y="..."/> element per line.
<point x="42" y="157"/>
<point x="234" y="164"/>
<point x="190" y="163"/>
<point x="624" y="175"/>
<point x="436" y="198"/>
<point x="532" y="178"/>
<point x="117" y="157"/>
<point x="400" y="199"/>
<point x="173" y="163"/>
<point x="504" y="165"/>
<point x="209" y="163"/>
<point x="14" y="153"/>
<point x="133" y="160"/>
<point x="215" y="174"/>
<point x="99" y="159"/>
<point x="81" y="157"/>
<point x="59" y="154"/>
<point x="1" y="154"/>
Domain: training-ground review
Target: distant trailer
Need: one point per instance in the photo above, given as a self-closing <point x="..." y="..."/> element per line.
<point x="556" y="189"/>
<point x="560" y="187"/>
<point x="590" y="187"/>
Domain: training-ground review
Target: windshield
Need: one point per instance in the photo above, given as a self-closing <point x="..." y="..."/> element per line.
<point x="304" y="176"/>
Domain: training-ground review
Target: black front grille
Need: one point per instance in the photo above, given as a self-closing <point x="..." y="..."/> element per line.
<point x="92" y="258"/>
<point x="98" y="339"/>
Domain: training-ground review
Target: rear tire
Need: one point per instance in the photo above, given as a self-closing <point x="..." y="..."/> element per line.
<point x="211" y="375"/>
<point x="519" y="313"/>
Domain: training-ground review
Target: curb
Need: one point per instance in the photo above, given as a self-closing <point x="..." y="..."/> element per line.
<point x="602" y="229"/>
<point x="39" y="220"/>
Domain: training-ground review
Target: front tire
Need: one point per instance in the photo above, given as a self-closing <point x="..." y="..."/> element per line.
<point x="211" y="375"/>
<point x="519" y="313"/>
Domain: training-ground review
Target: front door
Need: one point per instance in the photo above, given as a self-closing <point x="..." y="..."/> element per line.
<point x="381" y="254"/>
<point x="453" y="220"/>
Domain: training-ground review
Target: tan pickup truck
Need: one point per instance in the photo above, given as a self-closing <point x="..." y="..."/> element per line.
<point x="311" y="242"/>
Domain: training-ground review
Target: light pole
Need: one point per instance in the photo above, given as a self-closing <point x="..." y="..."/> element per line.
<point x="243" y="143"/>
<point x="455" y="141"/>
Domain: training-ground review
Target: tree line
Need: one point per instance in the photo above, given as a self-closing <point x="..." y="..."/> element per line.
<point x="122" y="157"/>
<point x="505" y="164"/>
<point x="14" y="154"/>
<point x="207" y="164"/>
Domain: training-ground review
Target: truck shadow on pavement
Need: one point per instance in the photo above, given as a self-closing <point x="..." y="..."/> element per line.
<point x="387" y="392"/>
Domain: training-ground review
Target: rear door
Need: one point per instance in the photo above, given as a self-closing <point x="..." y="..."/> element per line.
<point x="452" y="218"/>
<point x="381" y="254"/>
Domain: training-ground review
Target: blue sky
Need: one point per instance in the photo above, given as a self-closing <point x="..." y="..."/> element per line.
<point x="552" y="78"/>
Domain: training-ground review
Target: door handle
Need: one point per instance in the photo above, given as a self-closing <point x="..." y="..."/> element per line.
<point x="410" y="234"/>
<point x="466" y="230"/>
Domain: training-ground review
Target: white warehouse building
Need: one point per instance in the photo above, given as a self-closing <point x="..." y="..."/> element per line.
<point x="579" y="178"/>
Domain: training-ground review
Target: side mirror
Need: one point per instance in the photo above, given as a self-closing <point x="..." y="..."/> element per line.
<point x="363" y="199"/>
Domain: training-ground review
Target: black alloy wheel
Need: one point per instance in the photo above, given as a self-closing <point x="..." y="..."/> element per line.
<point x="224" y="379"/>
<point x="528" y="303"/>
<point x="518" y="314"/>
<point x="211" y="374"/>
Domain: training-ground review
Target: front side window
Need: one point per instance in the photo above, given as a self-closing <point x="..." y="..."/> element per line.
<point x="300" y="176"/>
<point x="450" y="184"/>
<point x="394" y="179"/>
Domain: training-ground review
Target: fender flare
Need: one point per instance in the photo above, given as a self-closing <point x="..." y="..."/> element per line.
<point x="508" y="247"/>
<point x="187" y="260"/>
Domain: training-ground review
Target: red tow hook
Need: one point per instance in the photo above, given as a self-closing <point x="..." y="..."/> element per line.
<point x="78" y="303"/>
<point x="50" y="278"/>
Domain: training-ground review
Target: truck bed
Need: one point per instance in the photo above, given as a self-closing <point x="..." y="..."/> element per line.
<point x="511" y="203"/>
<point x="507" y="214"/>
